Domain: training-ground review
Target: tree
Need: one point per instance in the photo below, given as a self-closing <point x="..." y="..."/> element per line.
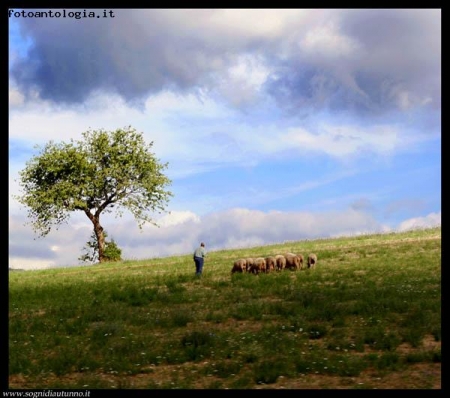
<point x="106" y="171"/>
<point x="112" y="252"/>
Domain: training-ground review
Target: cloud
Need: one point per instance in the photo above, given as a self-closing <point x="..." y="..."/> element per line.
<point x="153" y="50"/>
<point x="181" y="231"/>
<point x="357" y="60"/>
<point x="431" y="220"/>
<point x="60" y="247"/>
<point x="242" y="83"/>
<point x="342" y="141"/>
<point x="16" y="98"/>
<point x="327" y="43"/>
<point x="198" y="135"/>
<point x="398" y="206"/>
<point x="369" y="62"/>
<point x="177" y="217"/>
<point x="362" y="204"/>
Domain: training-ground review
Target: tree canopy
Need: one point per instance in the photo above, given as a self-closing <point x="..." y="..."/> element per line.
<point x="106" y="171"/>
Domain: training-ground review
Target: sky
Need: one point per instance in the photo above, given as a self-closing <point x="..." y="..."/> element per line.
<point x="276" y="124"/>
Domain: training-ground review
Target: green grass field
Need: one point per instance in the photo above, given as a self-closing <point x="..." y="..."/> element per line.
<point x="368" y="316"/>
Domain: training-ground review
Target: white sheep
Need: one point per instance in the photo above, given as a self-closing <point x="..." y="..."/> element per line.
<point x="301" y="258"/>
<point x="292" y="261"/>
<point x="239" y="266"/>
<point x="312" y="260"/>
<point x="271" y="263"/>
<point x="259" y="266"/>
<point x="280" y="261"/>
<point x="250" y="263"/>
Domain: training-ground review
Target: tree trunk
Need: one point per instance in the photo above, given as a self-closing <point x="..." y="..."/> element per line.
<point x="99" y="234"/>
<point x="98" y="229"/>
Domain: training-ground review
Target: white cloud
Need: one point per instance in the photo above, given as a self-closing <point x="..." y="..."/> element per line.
<point x="243" y="81"/>
<point x="39" y="122"/>
<point x="177" y="217"/>
<point x="182" y="231"/>
<point x="342" y="141"/>
<point x="21" y="263"/>
<point x="16" y="98"/>
<point x="430" y="220"/>
<point x="326" y="43"/>
<point x="169" y="105"/>
<point x="240" y="24"/>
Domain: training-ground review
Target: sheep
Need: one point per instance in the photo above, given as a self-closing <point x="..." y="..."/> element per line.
<point x="239" y="266"/>
<point x="280" y="261"/>
<point x="312" y="260"/>
<point x="300" y="256"/>
<point x="292" y="261"/>
<point x="250" y="262"/>
<point x="271" y="263"/>
<point x="258" y="266"/>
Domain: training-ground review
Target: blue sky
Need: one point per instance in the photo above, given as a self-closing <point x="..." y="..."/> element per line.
<point x="277" y="125"/>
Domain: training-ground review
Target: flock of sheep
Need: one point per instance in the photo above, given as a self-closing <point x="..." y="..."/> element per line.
<point x="279" y="262"/>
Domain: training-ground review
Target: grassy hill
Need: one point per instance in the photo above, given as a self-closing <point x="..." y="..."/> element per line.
<point x="368" y="316"/>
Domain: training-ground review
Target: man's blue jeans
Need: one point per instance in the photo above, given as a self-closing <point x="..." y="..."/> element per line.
<point x="198" y="265"/>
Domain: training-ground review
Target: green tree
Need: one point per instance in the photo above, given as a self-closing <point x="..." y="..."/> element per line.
<point x="112" y="252"/>
<point x="104" y="172"/>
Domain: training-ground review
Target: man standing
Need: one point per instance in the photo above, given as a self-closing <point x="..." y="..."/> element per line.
<point x="199" y="256"/>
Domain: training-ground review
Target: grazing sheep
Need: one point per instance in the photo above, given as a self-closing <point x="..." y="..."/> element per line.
<point x="271" y="264"/>
<point x="300" y="256"/>
<point x="280" y="261"/>
<point x="239" y="266"/>
<point x="312" y="260"/>
<point x="250" y="262"/>
<point x="258" y="266"/>
<point x="292" y="261"/>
